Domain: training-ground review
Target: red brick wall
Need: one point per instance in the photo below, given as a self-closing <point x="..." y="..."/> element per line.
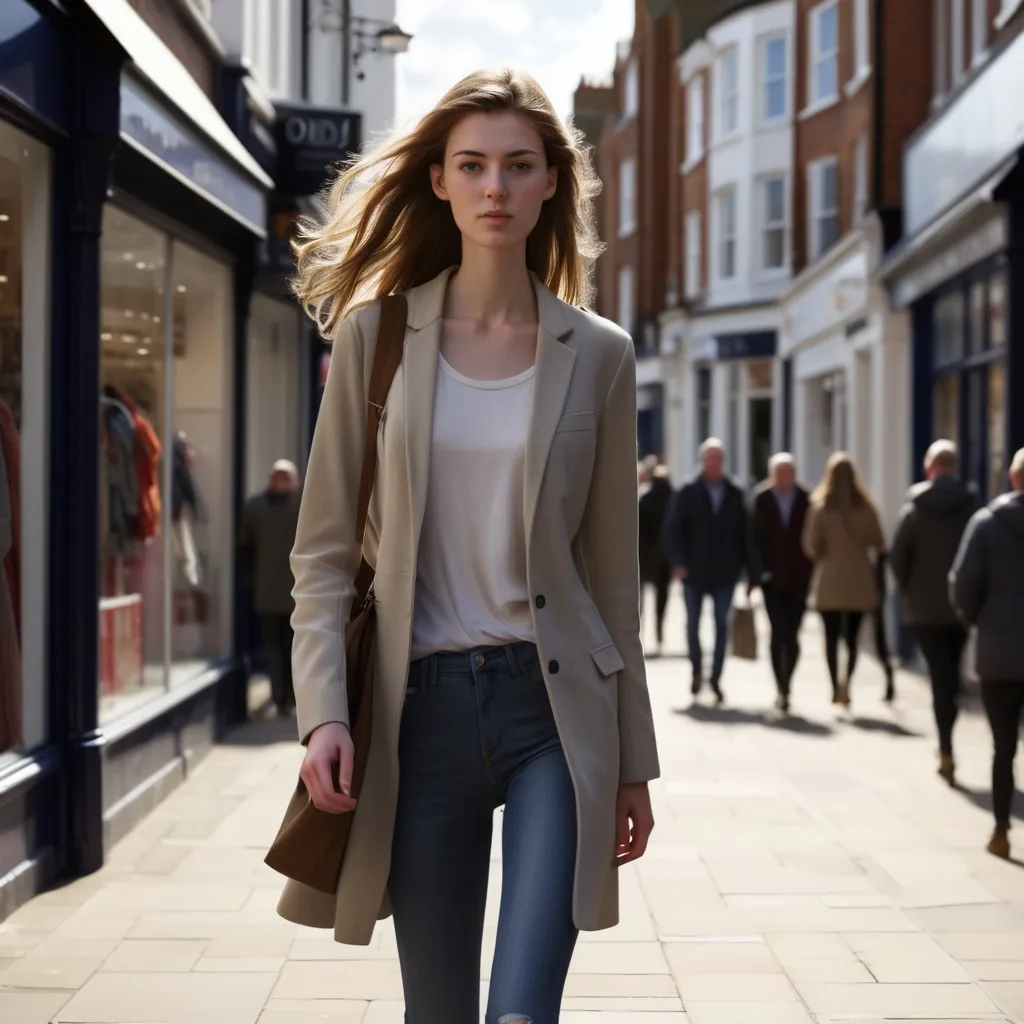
<point x="186" y="42"/>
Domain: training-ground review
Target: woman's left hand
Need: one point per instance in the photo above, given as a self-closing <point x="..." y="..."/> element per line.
<point x="634" y="822"/>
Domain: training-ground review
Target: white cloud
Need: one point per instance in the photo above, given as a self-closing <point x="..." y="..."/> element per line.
<point x="557" y="41"/>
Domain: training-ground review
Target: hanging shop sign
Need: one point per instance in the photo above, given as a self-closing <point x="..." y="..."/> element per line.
<point x="311" y="141"/>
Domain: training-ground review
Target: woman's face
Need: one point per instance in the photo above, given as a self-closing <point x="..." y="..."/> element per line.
<point x="496" y="178"/>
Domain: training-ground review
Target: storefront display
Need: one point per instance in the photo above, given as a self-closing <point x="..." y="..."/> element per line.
<point x="163" y="609"/>
<point x="24" y="211"/>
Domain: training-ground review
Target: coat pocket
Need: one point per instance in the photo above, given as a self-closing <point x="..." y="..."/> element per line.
<point x="607" y="659"/>
<point x="576" y="421"/>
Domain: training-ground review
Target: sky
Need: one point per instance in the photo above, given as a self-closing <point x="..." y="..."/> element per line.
<point x="557" y="41"/>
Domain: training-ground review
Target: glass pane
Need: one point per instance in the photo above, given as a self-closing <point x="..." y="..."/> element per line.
<point x="760" y="375"/>
<point x="997" y="482"/>
<point x="974" y="428"/>
<point x="829" y="187"/>
<point x="998" y="314"/>
<point x="775" y="57"/>
<point x="774" y="201"/>
<point x="132" y="446"/>
<point x="946" y="408"/>
<point x="774" y="248"/>
<point x="828" y="29"/>
<point x="949" y="328"/>
<point x="827" y="77"/>
<point x="775" y="100"/>
<point x="976" y="335"/>
<point x="24" y="330"/>
<point x="200" y="453"/>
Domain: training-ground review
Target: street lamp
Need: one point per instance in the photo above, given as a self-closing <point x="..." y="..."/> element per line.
<point x="393" y="40"/>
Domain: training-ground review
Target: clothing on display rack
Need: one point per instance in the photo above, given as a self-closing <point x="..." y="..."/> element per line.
<point x="10" y="580"/>
<point x="121" y="493"/>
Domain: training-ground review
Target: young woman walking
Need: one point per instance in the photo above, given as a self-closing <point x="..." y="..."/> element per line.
<point x="503" y="530"/>
<point x="841" y="528"/>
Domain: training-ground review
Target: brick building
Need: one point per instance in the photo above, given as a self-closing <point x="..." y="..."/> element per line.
<point x="863" y="85"/>
<point x="730" y="256"/>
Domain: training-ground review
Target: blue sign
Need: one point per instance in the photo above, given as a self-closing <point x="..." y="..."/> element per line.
<point x="146" y="122"/>
<point x="33" y="61"/>
<point x="311" y="142"/>
<point x="751" y="345"/>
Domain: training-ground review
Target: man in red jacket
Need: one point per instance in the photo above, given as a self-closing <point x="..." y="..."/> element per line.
<point x="780" y="506"/>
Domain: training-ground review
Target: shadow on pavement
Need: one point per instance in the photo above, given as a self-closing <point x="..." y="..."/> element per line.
<point x="983" y="798"/>
<point x="770" y="720"/>
<point x="262" y="731"/>
<point x="882" y="725"/>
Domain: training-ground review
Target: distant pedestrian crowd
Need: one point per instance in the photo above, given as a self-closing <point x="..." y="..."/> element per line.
<point x="958" y="567"/>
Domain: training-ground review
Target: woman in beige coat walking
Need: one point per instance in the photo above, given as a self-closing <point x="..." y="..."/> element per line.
<point x="841" y="531"/>
<point x="503" y="530"/>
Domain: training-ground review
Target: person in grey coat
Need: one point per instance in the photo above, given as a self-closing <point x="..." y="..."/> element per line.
<point x="264" y="547"/>
<point x="923" y="548"/>
<point x="986" y="587"/>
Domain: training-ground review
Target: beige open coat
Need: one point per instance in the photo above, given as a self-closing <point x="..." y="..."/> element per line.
<point x="580" y="509"/>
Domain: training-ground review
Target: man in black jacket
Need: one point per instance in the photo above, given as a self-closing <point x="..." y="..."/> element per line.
<point x="987" y="590"/>
<point x="707" y="540"/>
<point x="655" y="571"/>
<point x="923" y="548"/>
<point x="780" y="508"/>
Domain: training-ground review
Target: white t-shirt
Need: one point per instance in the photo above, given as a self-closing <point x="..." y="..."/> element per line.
<point x="471" y="587"/>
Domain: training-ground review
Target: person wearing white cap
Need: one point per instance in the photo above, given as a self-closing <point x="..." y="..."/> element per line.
<point x="268" y="533"/>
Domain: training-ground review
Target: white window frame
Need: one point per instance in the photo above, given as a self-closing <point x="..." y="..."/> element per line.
<point x="694" y="285"/>
<point x="818" y="57"/>
<point x="816" y="211"/>
<point x="957" y="23"/>
<point x="861" y="40"/>
<point x="695" y="121"/>
<point x="940" y="45"/>
<point x="627" y="196"/>
<point x="979" y="31"/>
<point x="631" y="90"/>
<point x="1006" y="12"/>
<point x="766" y="226"/>
<point x="767" y="79"/>
<point x="626" y="298"/>
<point x="729" y="110"/>
<point x="860" y="180"/>
<point x="726" y="233"/>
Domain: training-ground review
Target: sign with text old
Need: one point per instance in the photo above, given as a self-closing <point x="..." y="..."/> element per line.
<point x="311" y="142"/>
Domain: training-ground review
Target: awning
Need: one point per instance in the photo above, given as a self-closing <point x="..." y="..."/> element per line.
<point x="973" y="212"/>
<point x="157" y="67"/>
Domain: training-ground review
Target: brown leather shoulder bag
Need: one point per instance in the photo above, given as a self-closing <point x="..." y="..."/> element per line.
<point x="310" y="844"/>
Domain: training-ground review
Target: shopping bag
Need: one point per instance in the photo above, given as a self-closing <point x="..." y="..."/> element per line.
<point x="744" y="634"/>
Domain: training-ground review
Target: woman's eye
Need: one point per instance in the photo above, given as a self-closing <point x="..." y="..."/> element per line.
<point x="471" y="165"/>
<point x="520" y="166"/>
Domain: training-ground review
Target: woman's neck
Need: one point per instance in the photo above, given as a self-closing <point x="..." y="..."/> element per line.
<point x="493" y="288"/>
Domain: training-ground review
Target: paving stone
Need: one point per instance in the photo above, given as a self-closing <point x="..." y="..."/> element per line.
<point x="31" y="1007"/>
<point x="155" y="955"/>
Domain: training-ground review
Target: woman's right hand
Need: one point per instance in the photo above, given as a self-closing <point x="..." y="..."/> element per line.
<point x="330" y="743"/>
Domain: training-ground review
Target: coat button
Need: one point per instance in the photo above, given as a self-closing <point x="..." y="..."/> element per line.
<point x="553" y="667"/>
<point x="480" y="659"/>
<point x="540" y="601"/>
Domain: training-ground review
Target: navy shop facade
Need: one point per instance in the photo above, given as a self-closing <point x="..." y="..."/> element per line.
<point x="131" y="224"/>
<point x="960" y="271"/>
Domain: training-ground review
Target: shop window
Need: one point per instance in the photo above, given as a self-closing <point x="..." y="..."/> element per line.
<point x="946" y="408"/>
<point x="24" y="465"/>
<point x="998" y="314"/>
<point x="997" y="461"/>
<point x="703" y="403"/>
<point x="163" y="462"/>
<point x="949" y="328"/>
<point x="976" y="333"/>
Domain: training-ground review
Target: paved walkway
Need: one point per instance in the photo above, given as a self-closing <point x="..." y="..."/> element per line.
<point x="813" y="869"/>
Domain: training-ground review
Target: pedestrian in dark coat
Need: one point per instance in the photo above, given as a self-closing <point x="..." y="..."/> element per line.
<point x="927" y="536"/>
<point x="708" y="543"/>
<point x="986" y="587"/>
<point x="264" y="546"/>
<point x="779" y="510"/>
<point x="655" y="571"/>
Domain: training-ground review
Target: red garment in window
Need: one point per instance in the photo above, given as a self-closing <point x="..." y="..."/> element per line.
<point x="147" y="468"/>
<point x="10" y="443"/>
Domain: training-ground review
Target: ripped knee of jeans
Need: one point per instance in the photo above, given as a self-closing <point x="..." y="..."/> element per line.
<point x="514" y="1018"/>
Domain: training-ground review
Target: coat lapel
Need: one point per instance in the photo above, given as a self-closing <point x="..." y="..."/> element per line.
<point x="551" y="379"/>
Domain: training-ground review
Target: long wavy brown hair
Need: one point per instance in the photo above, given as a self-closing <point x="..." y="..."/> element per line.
<point x="393" y="233"/>
<point x="841" y="486"/>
